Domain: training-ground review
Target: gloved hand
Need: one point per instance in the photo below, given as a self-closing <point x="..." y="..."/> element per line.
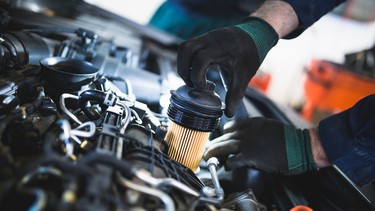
<point x="264" y="144"/>
<point x="239" y="50"/>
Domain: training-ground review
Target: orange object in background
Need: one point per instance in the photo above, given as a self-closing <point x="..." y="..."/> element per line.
<point x="301" y="208"/>
<point x="261" y="81"/>
<point x="330" y="88"/>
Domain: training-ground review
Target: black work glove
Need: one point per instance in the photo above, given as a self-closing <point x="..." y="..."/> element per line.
<point x="264" y="144"/>
<point x="239" y="50"/>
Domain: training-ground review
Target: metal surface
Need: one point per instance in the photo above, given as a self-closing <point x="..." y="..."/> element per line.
<point x="212" y="165"/>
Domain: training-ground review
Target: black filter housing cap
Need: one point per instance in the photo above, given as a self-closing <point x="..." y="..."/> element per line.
<point x="196" y="109"/>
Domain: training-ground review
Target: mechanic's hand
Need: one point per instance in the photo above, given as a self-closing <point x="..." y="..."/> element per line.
<point x="264" y="144"/>
<point x="239" y="50"/>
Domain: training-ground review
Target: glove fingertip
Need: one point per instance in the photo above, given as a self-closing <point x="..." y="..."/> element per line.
<point x="198" y="80"/>
<point x="188" y="82"/>
<point x="231" y="107"/>
<point x="231" y="99"/>
<point x="229" y="112"/>
<point x="229" y="126"/>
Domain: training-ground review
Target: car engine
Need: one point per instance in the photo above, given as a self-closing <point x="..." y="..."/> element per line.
<point x="84" y="119"/>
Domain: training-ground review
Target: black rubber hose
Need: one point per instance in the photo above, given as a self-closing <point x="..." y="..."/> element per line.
<point x="11" y="50"/>
<point x="93" y="96"/>
<point x="57" y="30"/>
<point x="67" y="167"/>
<point x="121" y="165"/>
<point x="52" y="158"/>
<point x="63" y="165"/>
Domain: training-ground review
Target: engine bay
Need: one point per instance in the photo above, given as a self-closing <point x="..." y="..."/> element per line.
<point x="83" y="123"/>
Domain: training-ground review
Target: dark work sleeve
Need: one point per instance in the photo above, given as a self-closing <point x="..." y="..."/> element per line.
<point x="348" y="138"/>
<point x="310" y="11"/>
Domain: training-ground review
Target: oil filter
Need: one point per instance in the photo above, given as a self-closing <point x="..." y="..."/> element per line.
<point x="194" y="114"/>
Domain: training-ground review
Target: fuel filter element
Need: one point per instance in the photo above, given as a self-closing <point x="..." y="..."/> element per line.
<point x="194" y="114"/>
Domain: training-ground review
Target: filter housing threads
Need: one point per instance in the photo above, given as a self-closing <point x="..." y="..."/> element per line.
<point x="194" y="114"/>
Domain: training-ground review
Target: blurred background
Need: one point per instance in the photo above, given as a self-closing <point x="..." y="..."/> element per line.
<point x="325" y="70"/>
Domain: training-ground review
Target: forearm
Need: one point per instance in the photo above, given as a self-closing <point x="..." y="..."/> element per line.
<point x="319" y="155"/>
<point x="280" y="15"/>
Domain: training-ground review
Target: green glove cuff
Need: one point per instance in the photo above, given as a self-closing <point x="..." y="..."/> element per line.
<point x="263" y="34"/>
<point x="298" y="150"/>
